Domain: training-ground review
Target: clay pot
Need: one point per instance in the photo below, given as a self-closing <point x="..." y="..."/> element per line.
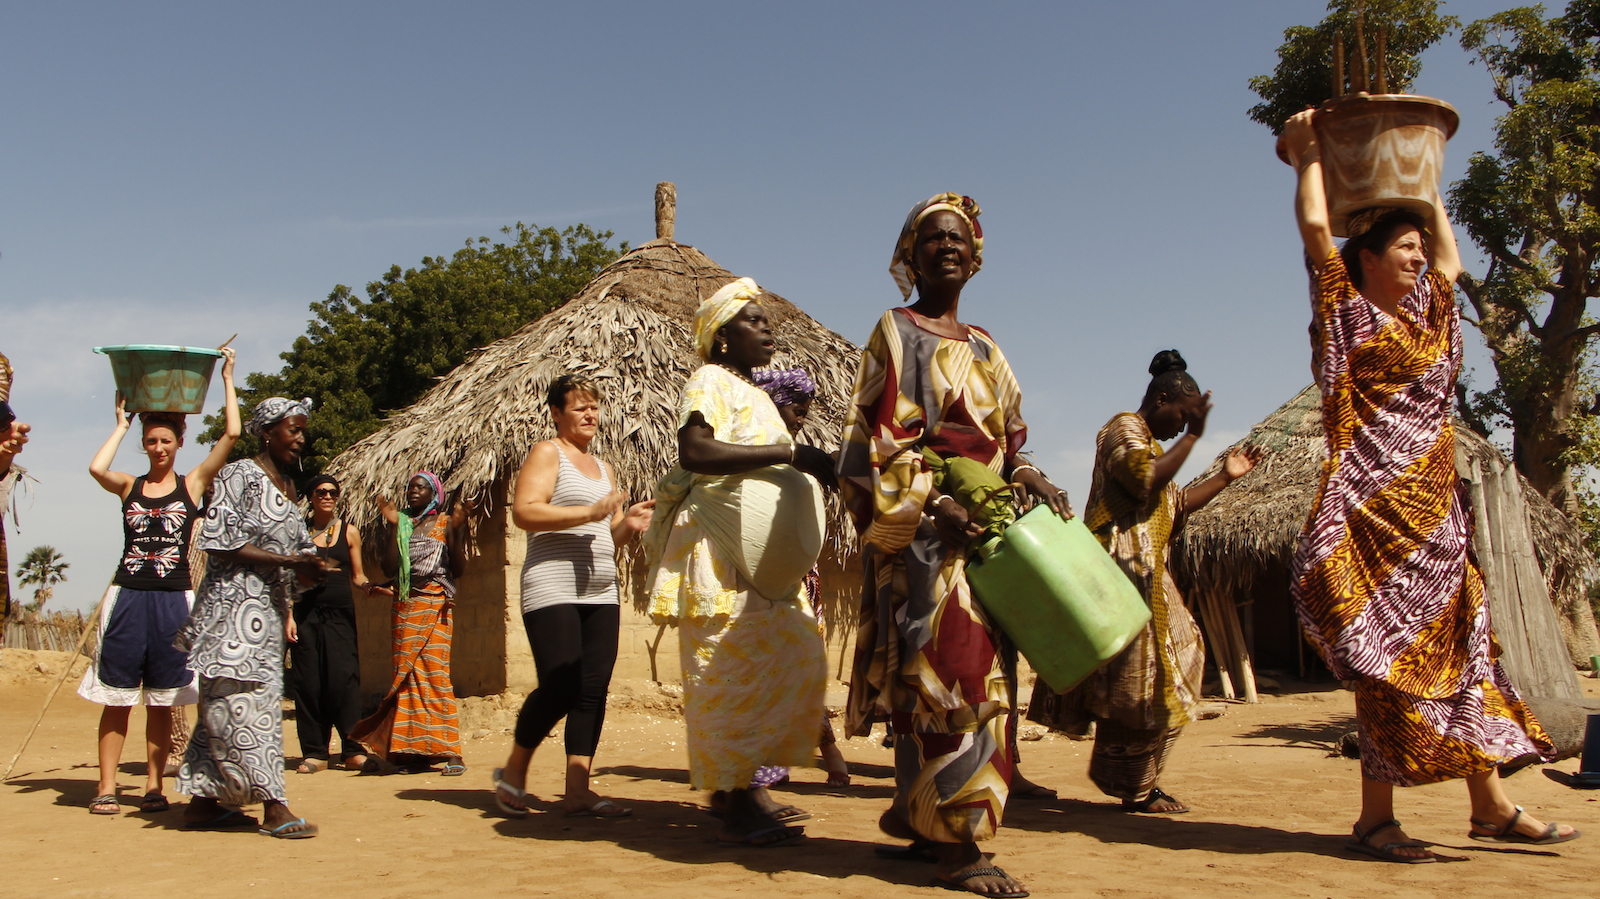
<point x="1381" y="150"/>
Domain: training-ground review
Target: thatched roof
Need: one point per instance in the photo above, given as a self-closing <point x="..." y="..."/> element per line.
<point x="1253" y="525"/>
<point x="630" y="331"/>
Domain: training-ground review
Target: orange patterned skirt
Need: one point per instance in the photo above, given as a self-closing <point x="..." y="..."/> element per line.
<point x="418" y="717"/>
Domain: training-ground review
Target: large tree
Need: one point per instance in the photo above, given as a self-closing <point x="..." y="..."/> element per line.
<point x="363" y="358"/>
<point x="1533" y="207"/>
<point x="1362" y="45"/>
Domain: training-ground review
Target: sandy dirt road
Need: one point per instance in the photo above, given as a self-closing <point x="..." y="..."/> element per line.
<point x="1272" y="810"/>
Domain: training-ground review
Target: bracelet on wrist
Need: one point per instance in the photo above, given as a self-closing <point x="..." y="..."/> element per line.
<point x="1026" y="466"/>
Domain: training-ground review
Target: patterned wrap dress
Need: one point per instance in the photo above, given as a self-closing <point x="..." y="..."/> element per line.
<point x="234" y="637"/>
<point x="419" y="716"/>
<point x="1383" y="579"/>
<point x="1141" y="699"/>
<point x="927" y="656"/>
<point x="754" y="667"/>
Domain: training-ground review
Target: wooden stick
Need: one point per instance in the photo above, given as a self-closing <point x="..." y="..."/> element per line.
<point x="228" y="341"/>
<point x="92" y="624"/>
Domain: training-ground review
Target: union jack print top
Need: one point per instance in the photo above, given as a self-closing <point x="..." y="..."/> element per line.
<point x="155" y="531"/>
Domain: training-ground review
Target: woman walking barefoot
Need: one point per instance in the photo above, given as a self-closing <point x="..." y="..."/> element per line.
<point x="151" y="593"/>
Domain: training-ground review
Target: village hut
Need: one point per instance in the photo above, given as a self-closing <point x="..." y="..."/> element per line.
<point x="1233" y="560"/>
<point x="630" y="330"/>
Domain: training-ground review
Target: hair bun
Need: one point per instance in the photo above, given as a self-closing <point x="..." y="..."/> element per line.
<point x="1165" y="361"/>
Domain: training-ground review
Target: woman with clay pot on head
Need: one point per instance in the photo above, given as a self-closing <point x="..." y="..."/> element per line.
<point x="936" y="410"/>
<point x="151" y="593"/>
<point x="1383" y="579"/>
<point x="260" y="556"/>
<point x="736" y="528"/>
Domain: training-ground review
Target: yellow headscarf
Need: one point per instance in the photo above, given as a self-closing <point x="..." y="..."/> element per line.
<point x="901" y="266"/>
<point x="718" y="309"/>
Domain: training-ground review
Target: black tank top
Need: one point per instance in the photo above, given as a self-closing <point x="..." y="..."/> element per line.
<point x="335" y="592"/>
<point x="155" y="539"/>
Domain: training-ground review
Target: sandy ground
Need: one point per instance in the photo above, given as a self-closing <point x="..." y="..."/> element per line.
<point x="1272" y="809"/>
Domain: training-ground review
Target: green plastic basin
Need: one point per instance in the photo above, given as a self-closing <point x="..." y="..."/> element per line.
<point x="162" y="378"/>
<point x="1058" y="595"/>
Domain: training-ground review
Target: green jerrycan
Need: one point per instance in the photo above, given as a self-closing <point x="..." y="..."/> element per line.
<point x="1058" y="595"/>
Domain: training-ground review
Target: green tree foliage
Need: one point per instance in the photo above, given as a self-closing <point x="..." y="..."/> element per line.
<point x="1397" y="31"/>
<point x="1533" y="207"/>
<point x="363" y="358"/>
<point x="43" y="569"/>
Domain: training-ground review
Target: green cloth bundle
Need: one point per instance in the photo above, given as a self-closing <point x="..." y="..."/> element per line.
<point x="984" y="494"/>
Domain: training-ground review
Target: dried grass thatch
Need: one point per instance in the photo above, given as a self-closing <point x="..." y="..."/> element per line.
<point x="1249" y="530"/>
<point x="629" y="330"/>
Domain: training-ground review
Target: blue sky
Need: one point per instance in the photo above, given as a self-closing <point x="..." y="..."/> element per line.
<point x="179" y="172"/>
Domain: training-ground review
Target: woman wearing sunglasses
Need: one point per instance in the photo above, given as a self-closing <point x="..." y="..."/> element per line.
<point x="325" y="668"/>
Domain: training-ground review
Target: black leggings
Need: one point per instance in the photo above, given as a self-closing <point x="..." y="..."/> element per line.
<point x="574" y="649"/>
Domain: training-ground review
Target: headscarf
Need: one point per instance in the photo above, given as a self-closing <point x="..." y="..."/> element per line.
<point x="902" y="266"/>
<point x="274" y="409"/>
<point x="719" y="309"/>
<point x="319" y="480"/>
<point x="438" y="492"/>
<point x="407" y="523"/>
<point x="786" y="386"/>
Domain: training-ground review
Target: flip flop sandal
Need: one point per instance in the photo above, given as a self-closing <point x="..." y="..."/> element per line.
<point x="779" y="836"/>
<point x="453" y="769"/>
<point x="105" y="805"/>
<point x="282" y="831"/>
<point x="1143" y="805"/>
<point x="506" y="808"/>
<point x="1386" y="852"/>
<point x="153" y="803"/>
<point x="605" y="808"/>
<point x="959" y="883"/>
<point x="311" y="766"/>
<point x="1505" y="833"/>
<point x="789" y="814"/>
<point x="227" y="820"/>
<point x="919" y="851"/>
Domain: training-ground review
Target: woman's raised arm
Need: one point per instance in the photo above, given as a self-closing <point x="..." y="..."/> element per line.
<point x="1310" y="200"/>
<point x="200" y="479"/>
<point x="100" y="468"/>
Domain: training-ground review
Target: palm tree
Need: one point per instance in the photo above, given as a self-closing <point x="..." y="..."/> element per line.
<point x="43" y="566"/>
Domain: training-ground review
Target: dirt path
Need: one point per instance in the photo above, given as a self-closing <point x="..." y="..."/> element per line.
<point x="1271" y="812"/>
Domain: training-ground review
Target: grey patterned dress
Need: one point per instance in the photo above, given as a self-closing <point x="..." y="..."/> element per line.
<point x="235" y="642"/>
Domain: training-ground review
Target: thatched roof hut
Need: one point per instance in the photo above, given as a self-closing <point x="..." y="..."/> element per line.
<point x="1235" y="553"/>
<point x="630" y="331"/>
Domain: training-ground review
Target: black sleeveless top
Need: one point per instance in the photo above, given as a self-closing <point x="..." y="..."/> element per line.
<point x="155" y="539"/>
<point x="335" y="592"/>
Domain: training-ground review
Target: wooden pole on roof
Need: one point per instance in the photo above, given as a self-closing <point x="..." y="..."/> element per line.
<point x="1381" y="62"/>
<point x="1338" y="66"/>
<point x="1360" y="75"/>
<point x="666" y="210"/>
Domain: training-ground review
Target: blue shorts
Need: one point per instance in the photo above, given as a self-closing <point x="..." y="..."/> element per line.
<point x="136" y="653"/>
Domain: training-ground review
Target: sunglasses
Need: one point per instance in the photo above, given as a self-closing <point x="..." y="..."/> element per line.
<point x="325" y="491"/>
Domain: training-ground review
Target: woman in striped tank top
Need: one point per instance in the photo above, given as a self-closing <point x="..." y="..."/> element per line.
<point x="568" y="503"/>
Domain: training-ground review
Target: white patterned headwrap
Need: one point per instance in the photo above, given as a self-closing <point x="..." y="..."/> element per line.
<point x="274" y="409"/>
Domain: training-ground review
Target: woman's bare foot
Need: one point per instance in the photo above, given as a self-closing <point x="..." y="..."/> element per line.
<point x="278" y="821"/>
<point x="962" y="866"/>
<point x="311" y="766"/>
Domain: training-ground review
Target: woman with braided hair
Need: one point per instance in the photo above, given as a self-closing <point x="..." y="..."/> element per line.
<point x="1140" y="700"/>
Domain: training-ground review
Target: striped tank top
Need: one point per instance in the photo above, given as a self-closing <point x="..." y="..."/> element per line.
<point x="576" y="565"/>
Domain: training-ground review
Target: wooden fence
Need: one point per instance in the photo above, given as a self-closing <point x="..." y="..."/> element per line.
<point x="57" y="632"/>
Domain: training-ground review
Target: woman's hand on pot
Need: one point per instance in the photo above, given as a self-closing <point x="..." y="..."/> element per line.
<point x="1300" y="138"/>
